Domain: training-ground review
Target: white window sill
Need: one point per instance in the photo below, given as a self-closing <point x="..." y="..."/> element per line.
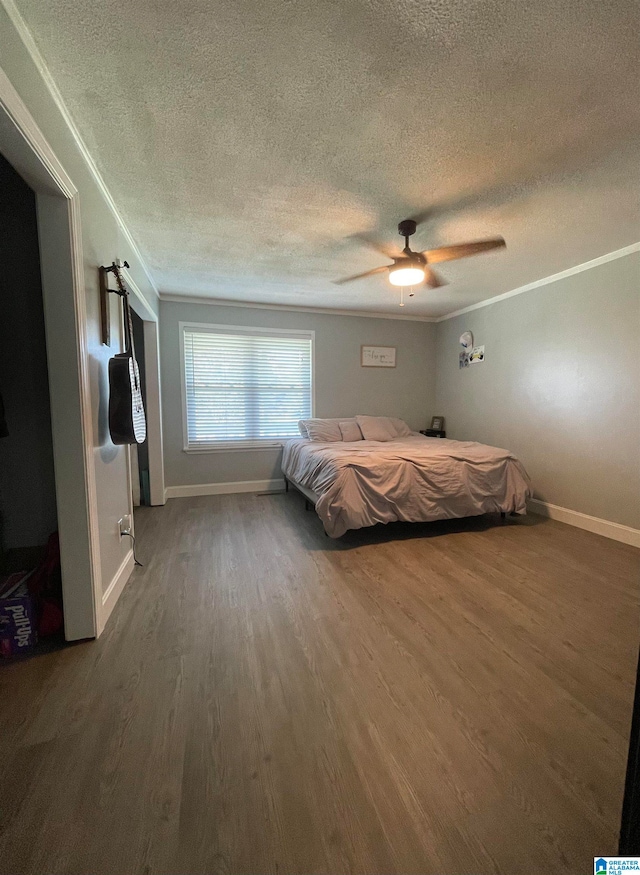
<point x="236" y="446"/>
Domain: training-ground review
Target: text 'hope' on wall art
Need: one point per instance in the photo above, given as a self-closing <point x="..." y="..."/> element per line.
<point x="378" y="356"/>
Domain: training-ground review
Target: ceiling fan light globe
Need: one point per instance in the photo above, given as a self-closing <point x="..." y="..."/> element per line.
<point x="406" y="276"/>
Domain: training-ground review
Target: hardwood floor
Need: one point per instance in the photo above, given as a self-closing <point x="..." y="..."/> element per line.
<point x="448" y="698"/>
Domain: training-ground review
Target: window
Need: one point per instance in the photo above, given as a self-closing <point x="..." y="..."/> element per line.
<point x="244" y="386"/>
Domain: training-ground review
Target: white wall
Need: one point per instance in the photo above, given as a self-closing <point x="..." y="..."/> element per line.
<point x="103" y="241"/>
<point x="560" y="386"/>
<point x="342" y="387"/>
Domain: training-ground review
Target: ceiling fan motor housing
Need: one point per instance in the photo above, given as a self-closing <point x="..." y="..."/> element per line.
<point x="407" y="227"/>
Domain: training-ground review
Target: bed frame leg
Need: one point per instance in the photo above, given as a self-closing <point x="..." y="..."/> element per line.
<point x="503" y="515"/>
<point x="307" y="504"/>
<point x="286" y="485"/>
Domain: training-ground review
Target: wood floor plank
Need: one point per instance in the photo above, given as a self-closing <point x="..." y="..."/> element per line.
<point x="446" y="698"/>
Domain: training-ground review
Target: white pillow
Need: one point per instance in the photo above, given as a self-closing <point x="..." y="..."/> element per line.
<point x="401" y="427"/>
<point x="302" y="428"/>
<point x="350" y="430"/>
<point x="377" y="428"/>
<point x="325" y="430"/>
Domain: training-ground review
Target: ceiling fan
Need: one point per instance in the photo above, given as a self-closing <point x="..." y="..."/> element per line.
<point x="411" y="268"/>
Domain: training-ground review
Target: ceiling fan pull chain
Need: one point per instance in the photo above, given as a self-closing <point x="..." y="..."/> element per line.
<point x="402" y="296"/>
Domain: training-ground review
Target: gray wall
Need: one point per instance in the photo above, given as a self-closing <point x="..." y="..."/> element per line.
<point x="103" y="241"/>
<point x="342" y="387"/>
<point x="560" y="386"/>
<point x="27" y="480"/>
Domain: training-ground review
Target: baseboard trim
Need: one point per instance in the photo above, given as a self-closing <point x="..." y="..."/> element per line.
<point x="113" y="591"/>
<point x="615" y="531"/>
<point x="192" y="489"/>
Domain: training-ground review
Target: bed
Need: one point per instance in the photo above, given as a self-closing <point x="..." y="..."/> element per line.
<point x="413" y="478"/>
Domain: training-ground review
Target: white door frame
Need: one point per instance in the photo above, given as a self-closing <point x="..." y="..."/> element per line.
<point x="154" y="412"/>
<point x="59" y="229"/>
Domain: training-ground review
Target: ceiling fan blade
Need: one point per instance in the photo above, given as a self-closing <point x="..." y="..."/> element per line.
<point x="359" y="276"/>
<point x="373" y="243"/>
<point x="462" y="250"/>
<point x="433" y="279"/>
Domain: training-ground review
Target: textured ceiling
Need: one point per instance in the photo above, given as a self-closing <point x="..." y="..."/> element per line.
<point x="244" y="142"/>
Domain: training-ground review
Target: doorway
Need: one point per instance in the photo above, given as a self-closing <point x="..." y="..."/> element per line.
<point x="151" y="458"/>
<point x="28" y="513"/>
<point x="140" y="484"/>
<point x="63" y="297"/>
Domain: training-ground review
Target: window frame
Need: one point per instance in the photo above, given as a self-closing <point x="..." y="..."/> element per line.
<point x="249" y="330"/>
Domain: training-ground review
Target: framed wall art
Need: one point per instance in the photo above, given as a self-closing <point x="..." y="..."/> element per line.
<point x="378" y="356"/>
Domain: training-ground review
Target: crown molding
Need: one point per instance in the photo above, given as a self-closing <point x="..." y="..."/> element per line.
<point x="586" y="265"/>
<point x="323" y="311"/>
<point x="29" y="43"/>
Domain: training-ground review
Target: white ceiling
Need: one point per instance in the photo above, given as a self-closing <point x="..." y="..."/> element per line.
<point x="244" y="142"/>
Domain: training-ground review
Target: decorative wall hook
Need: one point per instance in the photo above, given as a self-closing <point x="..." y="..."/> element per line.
<point x="105" y="311"/>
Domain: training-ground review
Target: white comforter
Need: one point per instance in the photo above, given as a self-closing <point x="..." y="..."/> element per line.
<point x="415" y="479"/>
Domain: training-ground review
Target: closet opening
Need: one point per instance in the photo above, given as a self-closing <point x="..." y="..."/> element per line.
<point x="31" y="607"/>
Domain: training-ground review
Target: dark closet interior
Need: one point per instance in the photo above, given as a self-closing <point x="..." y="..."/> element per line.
<point x="28" y="517"/>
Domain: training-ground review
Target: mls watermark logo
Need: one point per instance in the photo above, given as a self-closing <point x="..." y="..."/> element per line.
<point x="615" y="865"/>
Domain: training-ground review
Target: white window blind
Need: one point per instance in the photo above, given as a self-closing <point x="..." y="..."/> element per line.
<point x="243" y="387"/>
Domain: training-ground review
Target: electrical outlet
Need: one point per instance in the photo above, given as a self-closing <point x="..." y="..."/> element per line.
<point x="124" y="525"/>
